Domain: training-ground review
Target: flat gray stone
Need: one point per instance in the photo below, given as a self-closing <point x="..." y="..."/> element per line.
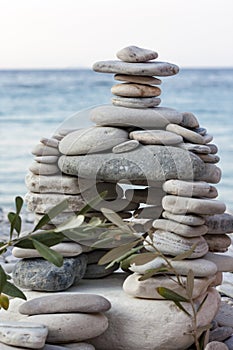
<point x="57" y="184"/>
<point x="135" y="90"/>
<point x="224" y="316"/>
<point x="49" y="142"/>
<point x="126" y="146"/>
<point x="189" y="120"/>
<point x="136" y="102"/>
<point x="150" y="163"/>
<point x="180" y="229"/>
<point x="39" y="274"/>
<point x="212" y="174"/>
<point x="73" y="327"/>
<point x="136" y="54"/>
<point x="187" y="134"/>
<point x="46" y="159"/>
<point x="42" y="150"/>
<point x="187" y="188"/>
<point x="157" y="117"/>
<point x="65" y="303"/>
<point x="184" y="205"/>
<point x="191" y="220"/>
<point x="223" y="262"/>
<point x="91" y="140"/>
<point x="138" y="79"/>
<point x="44" y="169"/>
<point x="94" y="256"/>
<point x="25" y="334"/>
<point x="229" y="343"/>
<point x="207" y="138"/>
<point x="94" y="271"/>
<point x="213" y="148"/>
<point x="209" y="158"/>
<point x="216" y="345"/>
<point x="219" y="223"/>
<point x="161" y="69"/>
<point x="156" y="137"/>
<point x="218" y="242"/>
<point x="172" y="244"/>
<point x="195" y="148"/>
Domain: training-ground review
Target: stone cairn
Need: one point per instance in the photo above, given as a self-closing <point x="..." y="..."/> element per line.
<point x="169" y="162"/>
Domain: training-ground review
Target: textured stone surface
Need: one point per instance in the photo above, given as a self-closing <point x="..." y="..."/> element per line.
<point x="126" y="146"/>
<point x="180" y="229"/>
<point x="136" y="54"/>
<point x="212" y="174"/>
<point x="195" y="148"/>
<point x="220" y="223"/>
<point x="218" y="243"/>
<point x="65" y="303"/>
<point x="161" y="69"/>
<point x="23" y="334"/>
<point x="135" y="90"/>
<point x="191" y="220"/>
<point x="220" y="334"/>
<point x="138" y="79"/>
<point x="224" y="316"/>
<point x="91" y="140"/>
<point x="187" y="188"/>
<point x="39" y="274"/>
<point x="136" y="102"/>
<point x="144" y="118"/>
<point x="209" y="158"/>
<point x="147" y="289"/>
<point x="156" y="137"/>
<point x="73" y="327"/>
<point x="144" y="163"/>
<point x="189" y="120"/>
<point x="189" y="135"/>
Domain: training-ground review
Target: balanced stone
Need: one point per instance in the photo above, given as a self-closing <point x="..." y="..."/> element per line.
<point x="209" y="158"/>
<point x="191" y="220"/>
<point x="144" y="118"/>
<point x="212" y="174"/>
<point x="189" y="120"/>
<point x="44" y="169"/>
<point x="39" y="274"/>
<point x="183" y="205"/>
<point x="201" y="131"/>
<point x="147" y="289"/>
<point x="156" y="137"/>
<point x="49" y="142"/>
<point x="42" y="202"/>
<point x="223" y="262"/>
<point x="187" y="134"/>
<point x="99" y="271"/>
<point x="92" y="140"/>
<point x="42" y="150"/>
<point x="180" y="229"/>
<point x="172" y="244"/>
<point x="25" y="334"/>
<point x="150" y="163"/>
<point x="136" y="54"/>
<point x="135" y="90"/>
<point x="138" y="79"/>
<point x="207" y="138"/>
<point x="73" y="327"/>
<point x="192" y="147"/>
<point x="200" y="267"/>
<point x="126" y="146"/>
<point x="218" y="242"/>
<point x="219" y="223"/>
<point x="213" y="148"/>
<point x="187" y="188"/>
<point x="46" y="159"/>
<point x="65" y="249"/>
<point x="136" y="102"/>
<point x="65" y="303"/>
<point x="57" y="184"/>
<point x="161" y="69"/>
<point x="148" y="195"/>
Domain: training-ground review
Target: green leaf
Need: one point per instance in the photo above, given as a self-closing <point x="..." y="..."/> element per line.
<point x="52" y="213"/>
<point x="126" y="255"/>
<point x="178" y="304"/>
<point x="74" y="222"/>
<point x="151" y="272"/>
<point x="202" y="303"/>
<point x="49" y="239"/>
<point x="91" y="204"/>
<point x="190" y="284"/>
<point x="185" y="255"/>
<point x="13" y="291"/>
<point x="3" y="279"/>
<point x="18" y="204"/>
<point x="168" y="294"/>
<point x="48" y="254"/>
<point x="116" y="253"/>
<point x="143" y="258"/>
<point x="15" y="221"/>
<point x="117" y="220"/>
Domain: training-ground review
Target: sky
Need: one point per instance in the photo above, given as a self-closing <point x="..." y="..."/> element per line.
<point x="77" y="33"/>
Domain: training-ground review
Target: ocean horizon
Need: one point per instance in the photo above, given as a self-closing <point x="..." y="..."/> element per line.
<point x="35" y="102"/>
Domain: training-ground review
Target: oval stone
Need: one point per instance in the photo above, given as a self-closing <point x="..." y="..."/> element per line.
<point x="126" y="146"/>
<point x="180" y="229"/>
<point x="138" y="79"/>
<point x="191" y="220"/>
<point x="136" y="102"/>
<point x="43" y="168"/>
<point x="136" y="54"/>
<point x="135" y="90"/>
<point x="187" y="134"/>
<point x="156" y="137"/>
<point x="187" y="188"/>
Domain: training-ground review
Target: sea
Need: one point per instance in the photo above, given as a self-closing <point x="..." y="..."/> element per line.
<point x="35" y="103"/>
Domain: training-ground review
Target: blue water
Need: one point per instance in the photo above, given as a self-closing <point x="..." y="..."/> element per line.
<point x="35" y="103"/>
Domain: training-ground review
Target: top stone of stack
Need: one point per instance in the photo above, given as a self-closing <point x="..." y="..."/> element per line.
<point x="134" y="61"/>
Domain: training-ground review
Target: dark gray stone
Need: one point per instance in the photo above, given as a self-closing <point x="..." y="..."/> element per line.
<point x="99" y="271"/>
<point x="220" y="333"/>
<point x="229" y="343"/>
<point x="219" y="223"/>
<point x="39" y="274"/>
<point x="151" y="163"/>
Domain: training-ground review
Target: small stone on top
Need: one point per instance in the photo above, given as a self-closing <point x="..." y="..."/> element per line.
<point x="136" y="54"/>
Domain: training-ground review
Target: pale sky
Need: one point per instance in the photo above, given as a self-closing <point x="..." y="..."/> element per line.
<point x="76" y="33"/>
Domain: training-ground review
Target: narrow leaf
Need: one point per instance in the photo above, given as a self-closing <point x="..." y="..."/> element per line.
<point x="202" y="303"/>
<point x="11" y="290"/>
<point x="15" y="221"/>
<point x="185" y="255"/>
<point x="18" y="204"/>
<point x="151" y="272"/>
<point x="125" y="256"/>
<point x="91" y="204"/>
<point x="74" y="222"/>
<point x="4" y="302"/>
<point x="48" y="254"/>
<point x="52" y="213"/>
<point x="190" y="284"/>
<point x="168" y="294"/>
<point x="117" y="220"/>
<point x="3" y="279"/>
<point x="48" y="239"/>
<point x="143" y="258"/>
<point x="178" y="304"/>
<point x="117" y="252"/>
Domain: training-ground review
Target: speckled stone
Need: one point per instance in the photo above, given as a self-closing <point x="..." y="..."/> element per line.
<point x="39" y="274"/>
<point x="126" y="146"/>
<point x="135" y="90"/>
<point x="138" y="79"/>
<point x="135" y="54"/>
<point x="156" y="137"/>
<point x="161" y="69"/>
<point x="218" y="242"/>
<point x="220" y="223"/>
<point x="136" y="102"/>
<point x="195" y="148"/>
